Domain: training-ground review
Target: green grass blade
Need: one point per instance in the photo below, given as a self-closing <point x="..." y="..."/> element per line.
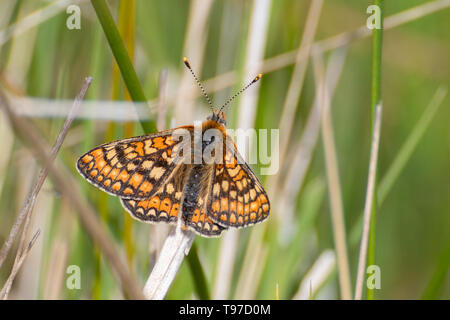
<point x="198" y="275"/>
<point x="410" y="145"/>
<point x="434" y="287"/>
<point x="121" y="55"/>
<point x="403" y="156"/>
<point x="377" y="41"/>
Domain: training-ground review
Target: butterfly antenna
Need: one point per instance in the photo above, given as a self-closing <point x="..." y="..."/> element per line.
<point x="240" y="91"/>
<point x="188" y="65"/>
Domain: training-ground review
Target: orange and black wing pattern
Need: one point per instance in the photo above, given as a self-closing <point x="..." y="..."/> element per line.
<point x="202" y="224"/>
<point x="237" y="197"/>
<point x="164" y="205"/>
<point x="133" y="168"/>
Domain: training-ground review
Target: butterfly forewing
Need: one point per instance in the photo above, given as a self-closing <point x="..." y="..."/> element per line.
<point x="133" y="168"/>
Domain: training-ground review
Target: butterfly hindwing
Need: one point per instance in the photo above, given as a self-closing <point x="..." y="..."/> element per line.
<point x="202" y="224"/>
<point x="237" y="197"/>
<point x="132" y="168"/>
<point x="165" y="204"/>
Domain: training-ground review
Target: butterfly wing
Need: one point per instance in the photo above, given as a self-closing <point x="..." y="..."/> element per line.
<point x="164" y="205"/>
<point x="237" y="197"/>
<point x="202" y="224"/>
<point x="133" y="168"/>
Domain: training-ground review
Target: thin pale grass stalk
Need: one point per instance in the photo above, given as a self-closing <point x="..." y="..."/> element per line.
<point x="390" y="22"/>
<point x="7" y="287"/>
<point x="316" y="276"/>
<point x="368" y="206"/>
<point x="7" y="145"/>
<point x="298" y="76"/>
<point x="247" y="286"/>
<point x="227" y="79"/>
<point x="26" y="210"/>
<point x="179" y="242"/>
<point x="334" y="186"/>
<point x="343" y="39"/>
<point x="59" y="252"/>
<point x="56" y="147"/>
<point x="410" y="144"/>
<point x="162" y="100"/>
<point x="7" y="9"/>
<point x="257" y="37"/>
<point x="437" y="281"/>
<point x="248" y="278"/>
<point x="176" y="246"/>
<point x="285" y="59"/>
<point x="20" y="53"/>
<point x="303" y="150"/>
<point x="194" y="49"/>
<point x="225" y="263"/>
<point x="402" y="157"/>
<point x="375" y="99"/>
<point x="27" y="282"/>
<point x="34" y="19"/>
<point x="68" y="186"/>
<point x="254" y="55"/>
<point x="229" y="35"/>
<point x="56" y="271"/>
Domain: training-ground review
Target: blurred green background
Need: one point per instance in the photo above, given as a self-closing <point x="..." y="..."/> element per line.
<point x="48" y="60"/>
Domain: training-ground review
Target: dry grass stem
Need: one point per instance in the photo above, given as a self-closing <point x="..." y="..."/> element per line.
<point x="226" y="260"/>
<point x="175" y="248"/>
<point x="34" y="19"/>
<point x="316" y="276"/>
<point x="369" y="202"/>
<point x="194" y="48"/>
<point x="334" y="186"/>
<point x="298" y="76"/>
<point x="285" y="59"/>
<point x="303" y="150"/>
<point x="248" y="281"/>
<point x="68" y="186"/>
<point x="7" y="287"/>
<point x="179" y="242"/>
<point x="26" y="210"/>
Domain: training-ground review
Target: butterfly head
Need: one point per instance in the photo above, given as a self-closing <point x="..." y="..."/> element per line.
<point x="219" y="117"/>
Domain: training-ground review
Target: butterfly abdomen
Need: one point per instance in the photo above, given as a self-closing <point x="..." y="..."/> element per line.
<point x="196" y="194"/>
<point x="196" y="188"/>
